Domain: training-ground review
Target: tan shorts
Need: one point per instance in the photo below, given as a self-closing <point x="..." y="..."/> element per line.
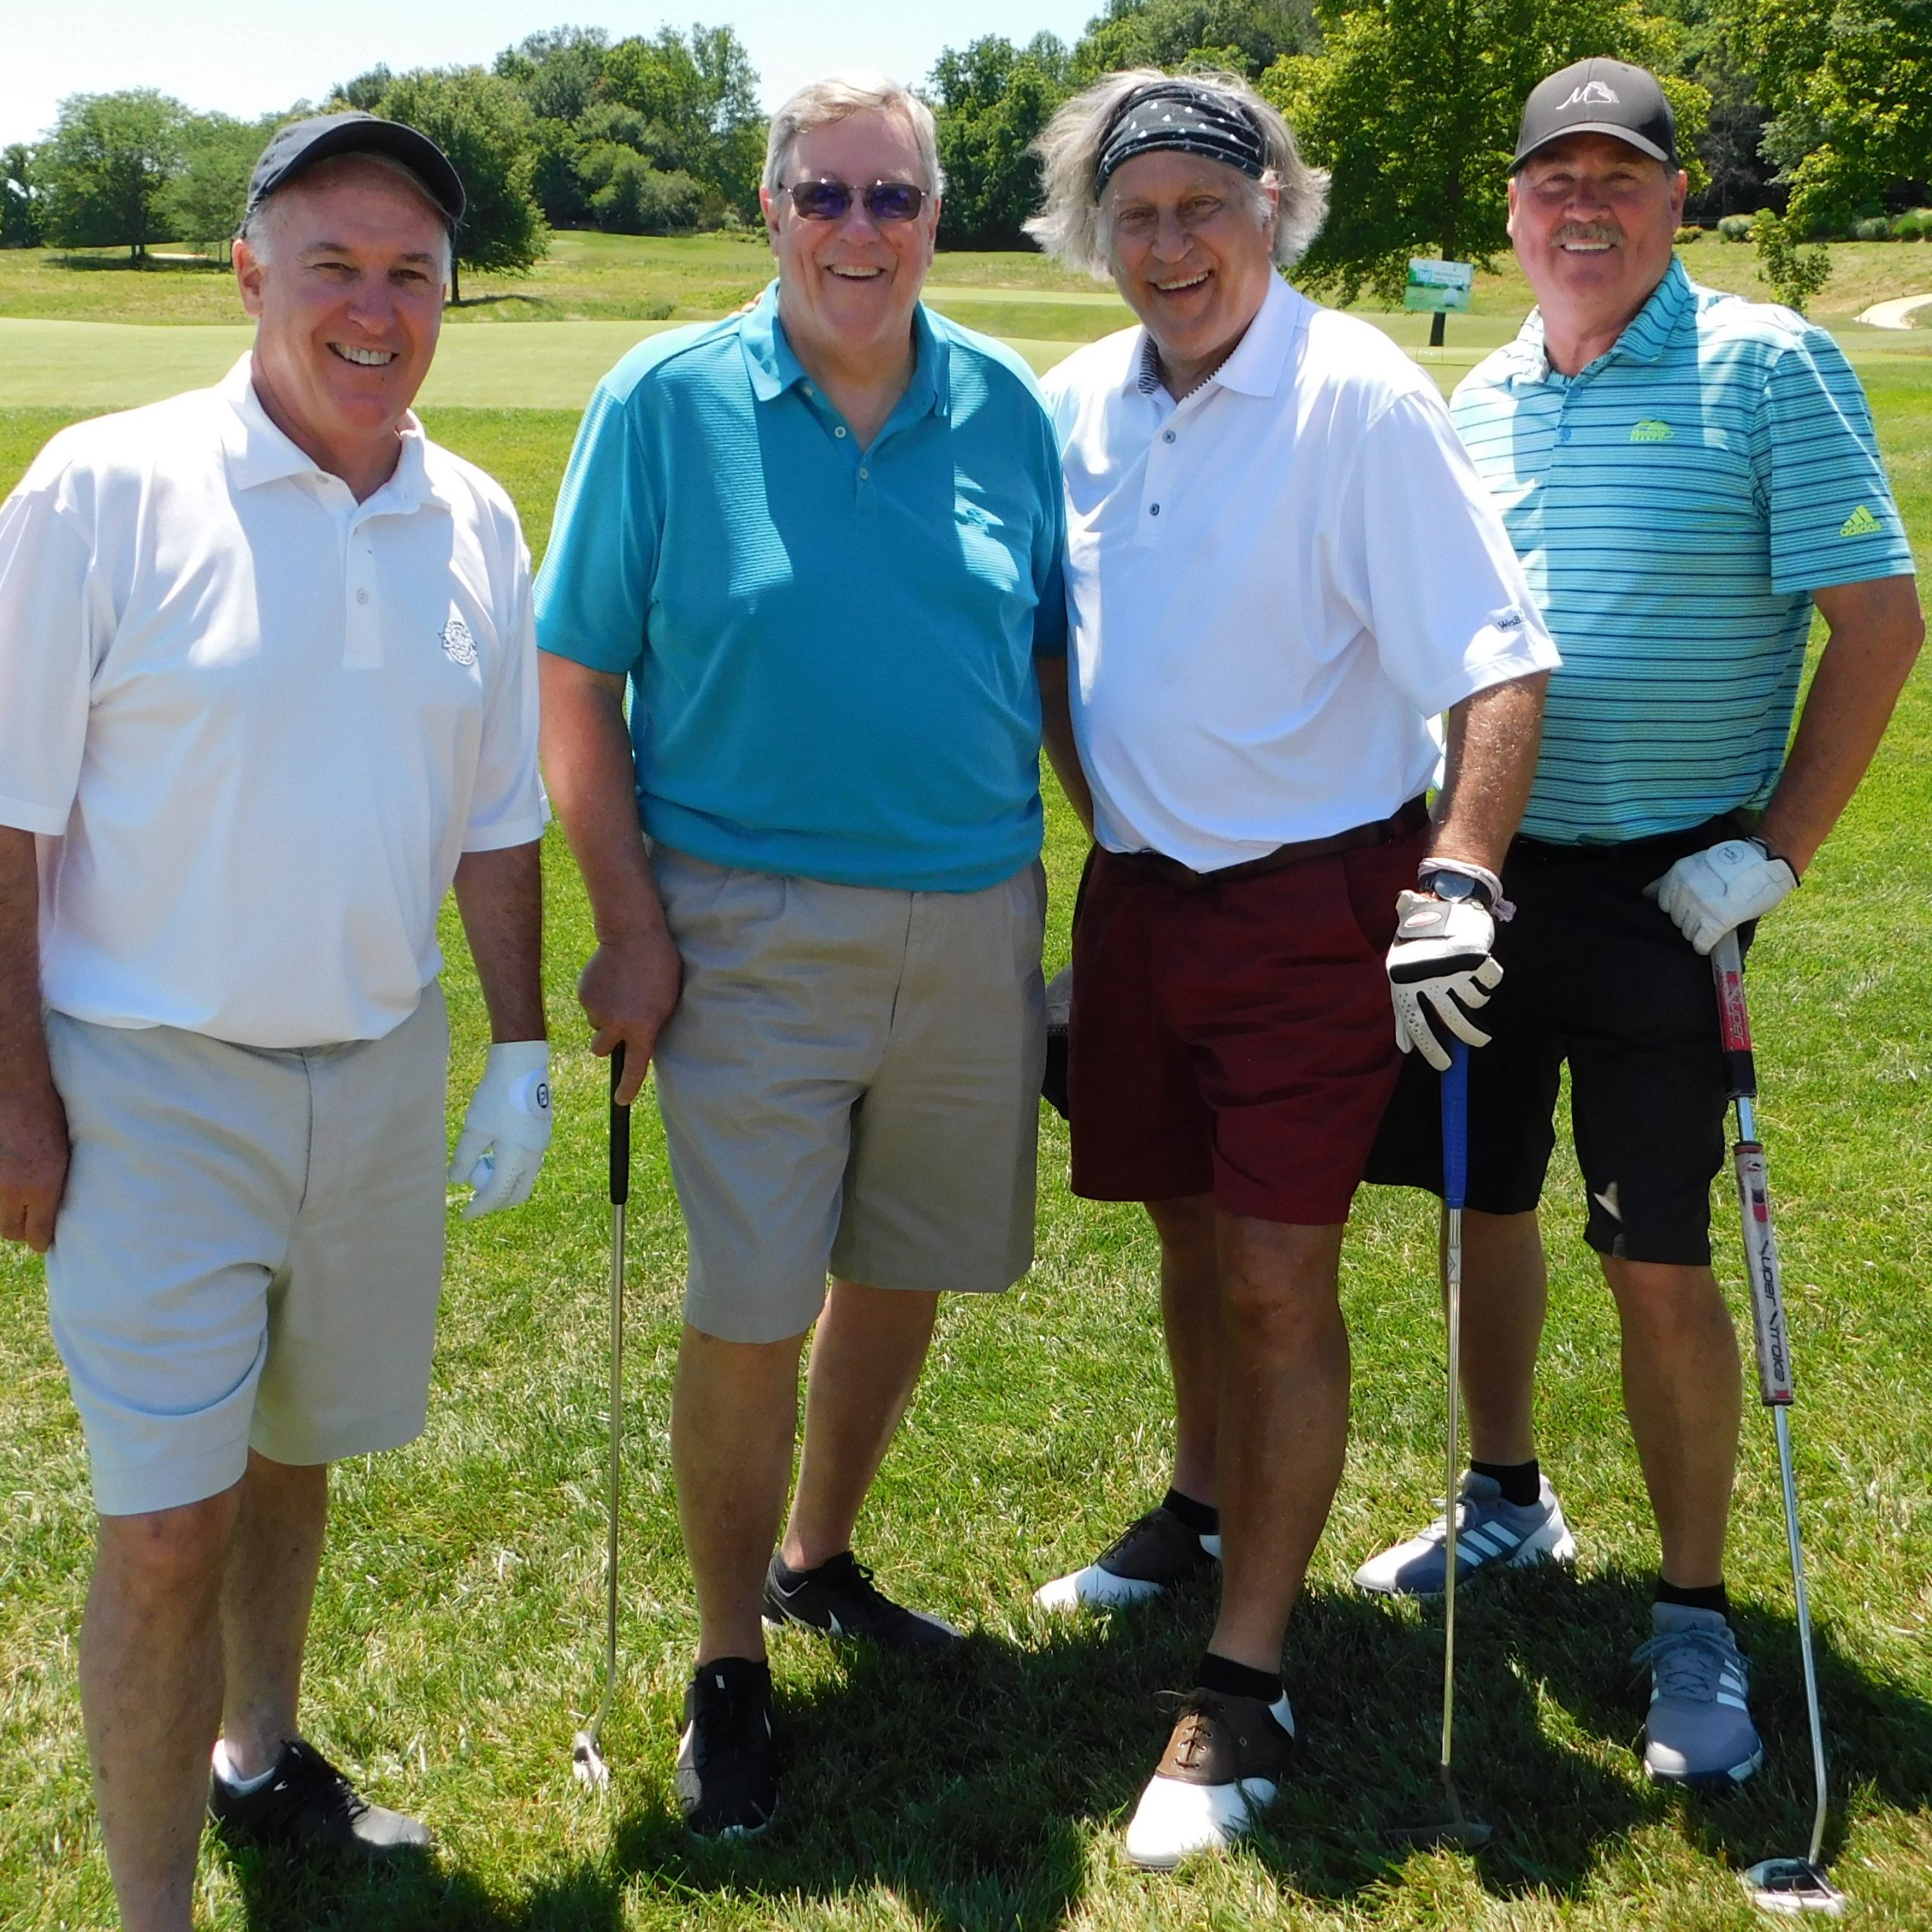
<point x="850" y="1082"/>
<point x="249" y="1251"/>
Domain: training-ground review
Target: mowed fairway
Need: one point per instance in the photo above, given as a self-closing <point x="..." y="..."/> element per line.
<point x="457" y="1638"/>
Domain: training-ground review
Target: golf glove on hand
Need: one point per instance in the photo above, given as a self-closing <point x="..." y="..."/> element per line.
<point x="1710" y="893"/>
<point x="1440" y="960"/>
<point x="506" y="1129"/>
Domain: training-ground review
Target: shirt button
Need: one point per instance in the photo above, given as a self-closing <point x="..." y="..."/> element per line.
<point x="1563" y="436"/>
<point x="1153" y="510"/>
<point x="864" y="474"/>
<point x="361" y="597"/>
<point x="1168" y="436"/>
<point x="840" y="430"/>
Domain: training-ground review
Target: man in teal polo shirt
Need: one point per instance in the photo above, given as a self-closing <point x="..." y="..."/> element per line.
<point x="1685" y="476"/>
<point x="820" y="543"/>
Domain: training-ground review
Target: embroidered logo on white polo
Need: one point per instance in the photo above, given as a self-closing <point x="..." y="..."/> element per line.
<point x="459" y="647"/>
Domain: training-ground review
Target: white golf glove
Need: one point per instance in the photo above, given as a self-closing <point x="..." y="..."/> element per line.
<point x="506" y="1129"/>
<point x="1440" y="960"/>
<point x="1710" y="893"/>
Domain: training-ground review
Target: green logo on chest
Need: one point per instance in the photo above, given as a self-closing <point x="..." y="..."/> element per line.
<point x="1652" y="429"/>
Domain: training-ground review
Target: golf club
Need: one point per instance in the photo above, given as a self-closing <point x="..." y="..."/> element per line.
<point x="1460" y="1828"/>
<point x="1786" y="1885"/>
<point x="587" y="1763"/>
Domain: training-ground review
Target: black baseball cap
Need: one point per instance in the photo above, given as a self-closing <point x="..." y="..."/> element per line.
<point x="1599" y="97"/>
<point x="302" y="145"/>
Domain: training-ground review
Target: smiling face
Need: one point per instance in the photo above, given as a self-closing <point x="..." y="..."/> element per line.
<point x="848" y="288"/>
<point x="1189" y="255"/>
<point x="1593" y="221"/>
<point x="346" y="288"/>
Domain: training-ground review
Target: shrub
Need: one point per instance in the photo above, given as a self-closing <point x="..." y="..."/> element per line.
<point x="1735" y="228"/>
<point x="1873" y="228"/>
<point x="1685" y="236"/>
<point x="1914" y="225"/>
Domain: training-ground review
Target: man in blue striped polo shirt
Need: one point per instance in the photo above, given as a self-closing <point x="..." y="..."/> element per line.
<point x="1685" y="476"/>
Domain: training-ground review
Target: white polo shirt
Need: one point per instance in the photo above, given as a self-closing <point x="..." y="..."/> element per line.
<point x="1274" y="586"/>
<point x="256" y="722"/>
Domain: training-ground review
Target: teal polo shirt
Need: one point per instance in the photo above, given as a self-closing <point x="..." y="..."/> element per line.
<point x="830" y="649"/>
<point x="1675" y="504"/>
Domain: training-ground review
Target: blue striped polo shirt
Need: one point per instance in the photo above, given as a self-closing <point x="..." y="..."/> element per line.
<point x="1675" y="504"/>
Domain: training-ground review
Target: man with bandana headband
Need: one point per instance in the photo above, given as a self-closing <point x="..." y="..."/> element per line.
<point x="1260" y="646"/>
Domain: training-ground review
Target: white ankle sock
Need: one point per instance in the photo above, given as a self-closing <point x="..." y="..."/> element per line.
<point x="224" y="1769"/>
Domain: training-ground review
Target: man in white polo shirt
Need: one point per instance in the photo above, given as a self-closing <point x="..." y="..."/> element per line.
<point x="267" y="688"/>
<point x="1281" y="567"/>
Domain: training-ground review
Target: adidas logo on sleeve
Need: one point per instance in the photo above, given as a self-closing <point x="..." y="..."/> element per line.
<point x="1860" y="523"/>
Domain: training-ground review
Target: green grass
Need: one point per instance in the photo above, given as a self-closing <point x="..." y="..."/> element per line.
<point x="456" y="1641"/>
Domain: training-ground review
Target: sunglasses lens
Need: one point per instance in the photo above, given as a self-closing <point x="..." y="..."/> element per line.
<point x="894" y="200"/>
<point x="821" y="200"/>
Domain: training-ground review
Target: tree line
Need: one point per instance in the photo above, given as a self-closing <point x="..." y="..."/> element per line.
<point x="1810" y="117"/>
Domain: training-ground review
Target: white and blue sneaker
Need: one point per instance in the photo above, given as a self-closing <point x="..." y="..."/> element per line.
<point x="1698" y="1732"/>
<point x="1490" y="1534"/>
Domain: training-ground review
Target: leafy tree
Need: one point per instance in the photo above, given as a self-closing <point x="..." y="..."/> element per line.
<point x="991" y="102"/>
<point x="203" y="202"/>
<point x="1795" y="274"/>
<point x="365" y="91"/>
<point x="20" y="200"/>
<point x="1413" y="105"/>
<point x="1246" y="36"/>
<point x="559" y="72"/>
<point x="484" y="126"/>
<point x="697" y="95"/>
<point x="102" y="174"/>
<point x="629" y="196"/>
<point x="1849" y="84"/>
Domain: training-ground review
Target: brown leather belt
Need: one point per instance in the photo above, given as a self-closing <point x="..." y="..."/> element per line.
<point x="1171" y="872"/>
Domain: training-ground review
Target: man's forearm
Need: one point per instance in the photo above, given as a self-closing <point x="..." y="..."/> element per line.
<point x="591" y="777"/>
<point x="1057" y="732"/>
<point x="500" y="896"/>
<point x="1875" y="634"/>
<point x="1492" y="761"/>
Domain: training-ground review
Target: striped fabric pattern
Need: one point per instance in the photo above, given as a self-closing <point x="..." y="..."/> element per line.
<point x="1675" y="504"/>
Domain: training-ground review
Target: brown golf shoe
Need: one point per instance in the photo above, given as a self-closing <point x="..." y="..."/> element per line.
<point x="1224" y="1762"/>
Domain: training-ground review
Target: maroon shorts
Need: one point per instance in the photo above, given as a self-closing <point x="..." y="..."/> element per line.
<point x="1236" y="1040"/>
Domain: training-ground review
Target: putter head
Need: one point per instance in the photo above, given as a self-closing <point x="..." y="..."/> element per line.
<point x="1470" y="1834"/>
<point x="1790" y="1886"/>
<point x="587" y="1764"/>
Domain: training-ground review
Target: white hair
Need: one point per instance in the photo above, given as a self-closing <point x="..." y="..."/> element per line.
<point x="1072" y="225"/>
<point x="258" y="225"/>
<point x="838" y="97"/>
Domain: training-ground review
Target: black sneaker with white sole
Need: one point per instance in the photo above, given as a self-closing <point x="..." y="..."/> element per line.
<point x="839" y="1599"/>
<point x="1155" y="1552"/>
<point x="727" y="1771"/>
<point x="308" y="1805"/>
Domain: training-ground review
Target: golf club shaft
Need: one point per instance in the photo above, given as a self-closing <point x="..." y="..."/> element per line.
<point x="1455" y="1190"/>
<point x="1769" y="1328"/>
<point x="620" y="1189"/>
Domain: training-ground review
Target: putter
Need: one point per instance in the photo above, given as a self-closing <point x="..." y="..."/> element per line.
<point x="587" y="1764"/>
<point x="1787" y="1886"/>
<point x="1459" y="1828"/>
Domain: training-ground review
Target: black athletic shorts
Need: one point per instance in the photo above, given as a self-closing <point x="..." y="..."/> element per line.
<point x="1594" y="974"/>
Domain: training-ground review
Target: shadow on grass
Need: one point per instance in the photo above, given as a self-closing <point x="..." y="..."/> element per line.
<point x="971" y="1789"/>
<point x="166" y="263"/>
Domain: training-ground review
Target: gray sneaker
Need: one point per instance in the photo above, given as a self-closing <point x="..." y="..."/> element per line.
<point x="1700" y="1731"/>
<point x="1490" y="1534"/>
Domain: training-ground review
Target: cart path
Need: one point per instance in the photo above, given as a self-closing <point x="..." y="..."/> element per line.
<point x="1896" y="314"/>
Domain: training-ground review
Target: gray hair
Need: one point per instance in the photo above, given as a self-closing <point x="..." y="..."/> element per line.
<point x="838" y="97"/>
<point x="1071" y="226"/>
<point x="258" y="223"/>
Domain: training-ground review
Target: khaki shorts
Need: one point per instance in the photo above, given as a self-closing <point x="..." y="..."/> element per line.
<point x="249" y="1251"/>
<point x="850" y="1082"/>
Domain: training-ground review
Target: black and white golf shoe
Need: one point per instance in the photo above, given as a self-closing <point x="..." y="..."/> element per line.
<point x="727" y="1771"/>
<point x="1155" y="1552"/>
<point x="1490" y="1534"/>
<point x="307" y="1805"/>
<point x="1698" y="1732"/>
<point x="840" y="1599"/>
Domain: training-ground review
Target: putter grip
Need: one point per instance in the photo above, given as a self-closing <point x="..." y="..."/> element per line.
<point x="1455" y="1126"/>
<point x="1741" y="1068"/>
<point x="620" y="1133"/>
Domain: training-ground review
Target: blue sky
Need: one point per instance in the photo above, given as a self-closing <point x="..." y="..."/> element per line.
<point x="245" y="59"/>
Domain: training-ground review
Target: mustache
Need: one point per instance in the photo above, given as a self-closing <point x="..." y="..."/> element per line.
<point x="1587" y="231"/>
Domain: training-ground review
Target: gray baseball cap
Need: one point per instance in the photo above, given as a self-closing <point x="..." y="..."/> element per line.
<point x="302" y="145"/>
<point x="1599" y="97"/>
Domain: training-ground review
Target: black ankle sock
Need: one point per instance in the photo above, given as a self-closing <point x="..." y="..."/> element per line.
<point x="791" y="1578"/>
<point x="1236" y="1679"/>
<point x="1520" y="1483"/>
<point x="1203" y="1518"/>
<point x="1710" y="1596"/>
